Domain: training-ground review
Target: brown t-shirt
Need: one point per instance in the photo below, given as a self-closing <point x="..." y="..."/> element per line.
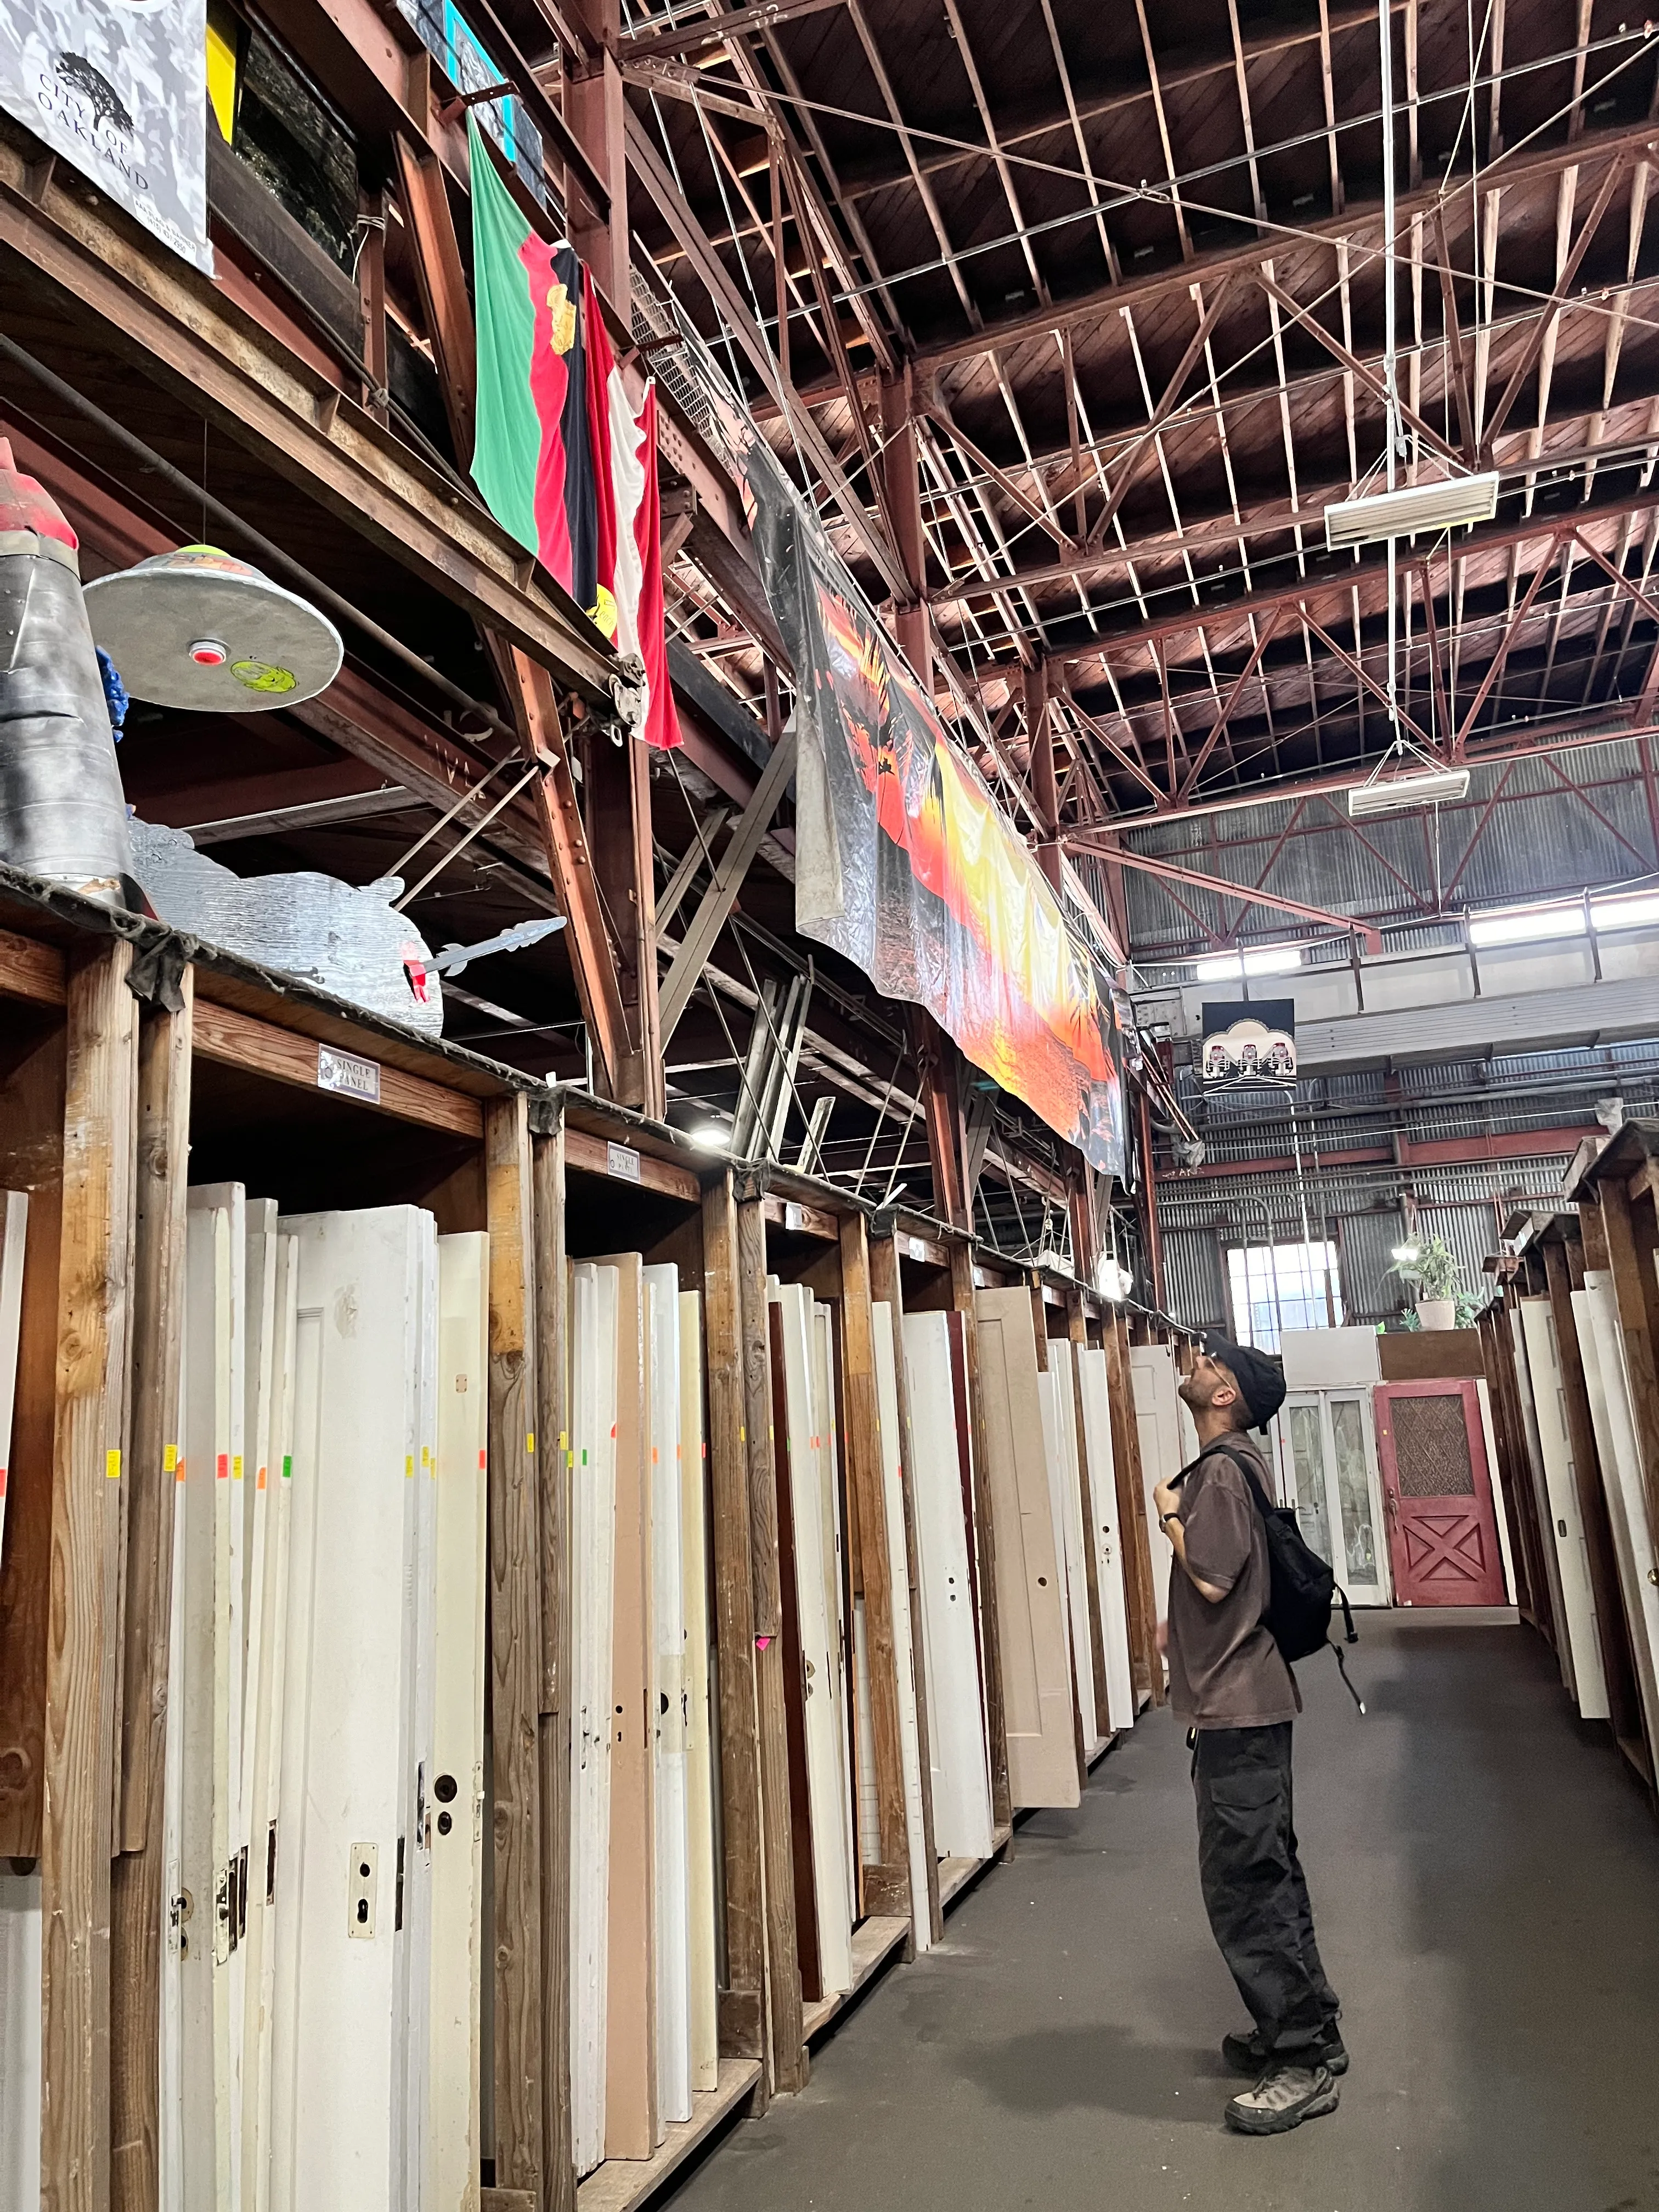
<point x="1225" y="1670"/>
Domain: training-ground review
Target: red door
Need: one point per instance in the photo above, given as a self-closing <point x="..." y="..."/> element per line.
<point x="1437" y="1493"/>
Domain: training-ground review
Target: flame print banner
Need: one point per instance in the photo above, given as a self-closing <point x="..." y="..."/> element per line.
<point x="905" y="863"/>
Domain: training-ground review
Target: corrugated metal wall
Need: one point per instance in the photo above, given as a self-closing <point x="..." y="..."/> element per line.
<point x="1360" y="1211"/>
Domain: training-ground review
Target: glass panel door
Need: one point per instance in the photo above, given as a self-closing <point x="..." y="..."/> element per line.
<point x="1308" y="1474"/>
<point x="1355" y="1501"/>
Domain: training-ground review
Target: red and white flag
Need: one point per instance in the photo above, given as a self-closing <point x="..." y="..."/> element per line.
<point x="629" y="601"/>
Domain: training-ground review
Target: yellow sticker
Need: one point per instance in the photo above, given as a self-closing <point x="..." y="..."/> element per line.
<point x="113" y="1465"/>
<point x="530" y="1442"/>
<point x="408" y="1467"/>
<point x="170" y="1459"/>
<point x="236" y="1467"/>
<point x="262" y="676"/>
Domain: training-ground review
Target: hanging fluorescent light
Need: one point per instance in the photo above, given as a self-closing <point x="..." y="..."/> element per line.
<point x="1233" y="967"/>
<point x="1527" y="924"/>
<point x="1433" y="788"/>
<point x="1410" y="511"/>
<point x="1640" y="911"/>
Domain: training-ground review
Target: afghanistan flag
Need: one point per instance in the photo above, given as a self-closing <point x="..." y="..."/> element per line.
<point x="531" y="457"/>
<point x="562" y="457"/>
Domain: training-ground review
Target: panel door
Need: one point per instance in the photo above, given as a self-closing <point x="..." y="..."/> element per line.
<point x="699" y="1711"/>
<point x="892" y="1483"/>
<point x="1443" y="1532"/>
<point x="1036" y="1685"/>
<point x="1157" y="1426"/>
<point x="673" y="1903"/>
<point x="1601" y="1340"/>
<point x="1567" y="1525"/>
<point x="1068" y="1504"/>
<point x="1098" y="1452"/>
<point x="960" y="1772"/>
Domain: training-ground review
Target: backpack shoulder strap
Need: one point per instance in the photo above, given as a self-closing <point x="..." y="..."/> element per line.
<point x="1246" y="1463"/>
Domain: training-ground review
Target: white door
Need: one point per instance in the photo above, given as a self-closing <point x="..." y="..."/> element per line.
<point x="14" y="1233"/>
<point x="1601" y="1340"/>
<point x="454" y="1798"/>
<point x="1326" y="1448"/>
<point x="1062" y="1374"/>
<point x="701" y="1719"/>
<point x="20" y="2041"/>
<point x="1037" y="1686"/>
<point x="1158" y="1426"/>
<point x="950" y="1666"/>
<point x="820" y="1659"/>
<point x="1566" y="1519"/>
<point x="904" y="1638"/>
<point x="673" y="1935"/>
<point x="593" y="1331"/>
<point x="1110" y="1558"/>
<point x="1564" y="1651"/>
<point x="826" y="1421"/>
<point x="339" y="2117"/>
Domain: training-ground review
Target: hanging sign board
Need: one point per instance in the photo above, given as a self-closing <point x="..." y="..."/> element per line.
<point x="119" y="88"/>
<point x="905" y="864"/>
<point x="1249" y="1044"/>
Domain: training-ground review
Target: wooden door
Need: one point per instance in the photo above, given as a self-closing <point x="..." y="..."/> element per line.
<point x="950" y="1668"/>
<point x="1600" y="1340"/>
<point x="1157" y="1427"/>
<point x="1110" y="1560"/>
<point x="1061" y="1395"/>
<point x="1532" y="1474"/>
<point x="14" y="1229"/>
<point x="594" y="1303"/>
<point x="662" y="1291"/>
<point x="1567" y="1525"/>
<point x="1437" y="1486"/>
<point x="1036" y="1685"/>
<point x="631" y="2129"/>
<point x="455" y="1809"/>
<point x="699" y="1710"/>
<point x="892" y="1487"/>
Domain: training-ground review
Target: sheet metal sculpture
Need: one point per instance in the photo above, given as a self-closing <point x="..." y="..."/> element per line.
<point x="907" y="865"/>
<point x="199" y="629"/>
<point x="61" y="814"/>
<point x="346" y="940"/>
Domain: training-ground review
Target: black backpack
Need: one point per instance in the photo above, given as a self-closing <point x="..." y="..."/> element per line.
<point x="1301" y="1588"/>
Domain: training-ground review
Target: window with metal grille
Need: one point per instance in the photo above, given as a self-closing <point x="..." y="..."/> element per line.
<point x="1432" y="1447"/>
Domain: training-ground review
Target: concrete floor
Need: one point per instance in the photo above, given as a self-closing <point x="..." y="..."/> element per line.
<point x="1485" y="1882"/>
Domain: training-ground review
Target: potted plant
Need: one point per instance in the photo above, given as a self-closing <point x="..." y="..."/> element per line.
<point x="1430" y="1267"/>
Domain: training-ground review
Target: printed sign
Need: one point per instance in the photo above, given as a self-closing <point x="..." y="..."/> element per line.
<point x="343" y="1072"/>
<point x="622" y="1162"/>
<point x="1249" y="1044"/>
<point x="118" y="87"/>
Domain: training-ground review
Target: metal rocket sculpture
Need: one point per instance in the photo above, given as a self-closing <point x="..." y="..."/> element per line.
<point x="61" y="813"/>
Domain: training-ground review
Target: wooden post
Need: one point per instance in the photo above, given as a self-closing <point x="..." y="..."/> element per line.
<point x="515" y="1638"/>
<point x="137" y="1878"/>
<point x="1617" y="1663"/>
<point x="552" y="1463"/>
<point x="1076" y="1329"/>
<point x="996" y="1726"/>
<point x="886" y="1288"/>
<point x="887" y="1887"/>
<point x="1132" y="1518"/>
<point x="92" y="1319"/>
<point x="743" y="1999"/>
<point x="787" y="2043"/>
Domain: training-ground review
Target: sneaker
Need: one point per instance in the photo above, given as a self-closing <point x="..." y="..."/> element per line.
<point x="1247" y="2054"/>
<point x="1282" y="2100"/>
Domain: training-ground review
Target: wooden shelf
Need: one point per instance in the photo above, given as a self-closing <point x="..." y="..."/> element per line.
<point x="874" y="1941"/>
<point x="956" y="1875"/>
<point x="623" y="2183"/>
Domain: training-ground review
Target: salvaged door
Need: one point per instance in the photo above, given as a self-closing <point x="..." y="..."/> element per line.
<point x="1437" y="1494"/>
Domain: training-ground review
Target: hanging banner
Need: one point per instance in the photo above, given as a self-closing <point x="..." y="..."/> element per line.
<point x="1249" y="1044"/>
<point x="905" y="864"/>
<point x="119" y="88"/>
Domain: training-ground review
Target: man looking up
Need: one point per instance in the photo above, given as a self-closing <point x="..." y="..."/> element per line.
<point x="1229" y="1681"/>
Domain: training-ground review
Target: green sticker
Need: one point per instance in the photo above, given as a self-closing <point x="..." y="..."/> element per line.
<point x="262" y="676"/>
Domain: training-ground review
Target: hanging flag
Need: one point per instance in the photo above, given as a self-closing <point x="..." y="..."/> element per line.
<point x="531" y="458"/>
<point x="628" y="531"/>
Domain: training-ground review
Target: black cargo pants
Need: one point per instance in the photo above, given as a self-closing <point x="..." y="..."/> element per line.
<point x="1253" y="1889"/>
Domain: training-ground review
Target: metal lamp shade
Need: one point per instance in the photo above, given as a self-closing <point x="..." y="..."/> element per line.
<point x="199" y="629"/>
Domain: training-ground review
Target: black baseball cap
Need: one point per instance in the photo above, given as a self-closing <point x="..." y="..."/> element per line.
<point x="1261" y="1379"/>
